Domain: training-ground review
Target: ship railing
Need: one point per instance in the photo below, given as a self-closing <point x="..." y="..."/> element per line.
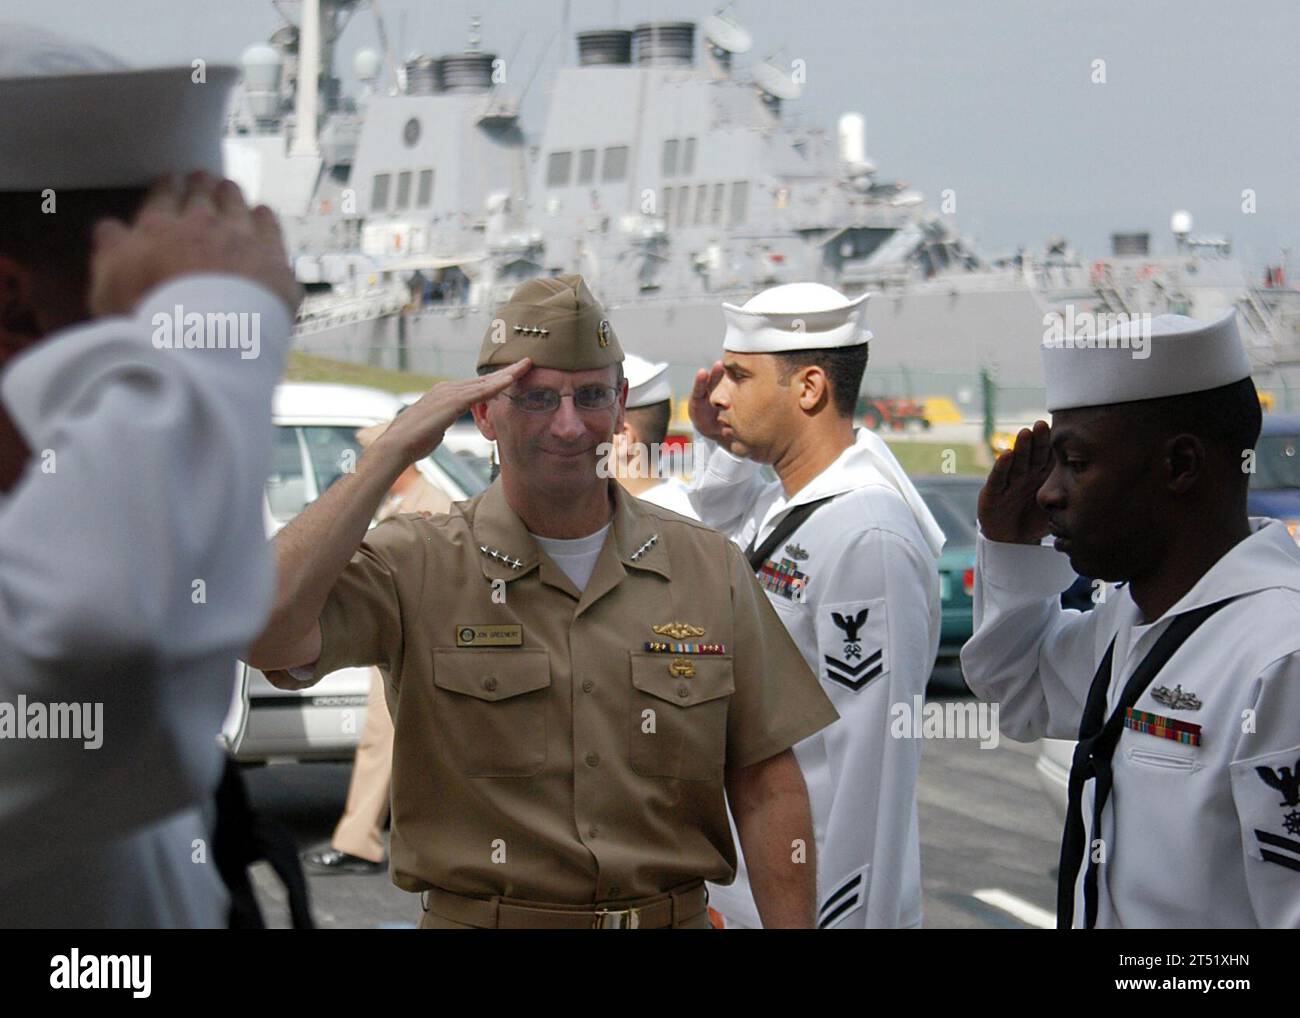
<point x="317" y="315"/>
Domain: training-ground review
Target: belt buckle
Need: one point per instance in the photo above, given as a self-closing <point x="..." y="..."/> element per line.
<point x="617" y="919"/>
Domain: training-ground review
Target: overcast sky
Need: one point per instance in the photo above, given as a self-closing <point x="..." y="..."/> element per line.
<point x="993" y="99"/>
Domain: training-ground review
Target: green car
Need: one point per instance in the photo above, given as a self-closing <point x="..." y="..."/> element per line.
<point x="953" y="500"/>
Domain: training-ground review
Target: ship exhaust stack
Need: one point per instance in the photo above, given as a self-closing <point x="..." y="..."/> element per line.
<point x="665" y="44"/>
<point x="466" y="73"/>
<point x="606" y="47"/>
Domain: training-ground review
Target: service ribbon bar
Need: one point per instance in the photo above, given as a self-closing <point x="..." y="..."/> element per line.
<point x="1162" y="727"/>
<point x="658" y="647"/>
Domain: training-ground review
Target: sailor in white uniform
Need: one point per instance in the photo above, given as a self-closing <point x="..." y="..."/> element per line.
<point x="847" y="550"/>
<point x="133" y="566"/>
<point x="1183" y="684"/>
<point x="643" y="460"/>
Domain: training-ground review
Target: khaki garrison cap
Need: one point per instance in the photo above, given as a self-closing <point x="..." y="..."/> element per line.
<point x="557" y="322"/>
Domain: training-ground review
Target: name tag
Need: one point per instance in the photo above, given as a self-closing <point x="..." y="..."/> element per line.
<point x="489" y="636"/>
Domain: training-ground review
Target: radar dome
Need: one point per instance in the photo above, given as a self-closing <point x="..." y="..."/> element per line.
<point x="1180" y="223"/>
<point x="367" y="64"/>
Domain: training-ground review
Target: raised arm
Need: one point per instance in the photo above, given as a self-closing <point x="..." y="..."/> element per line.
<point x="312" y="551"/>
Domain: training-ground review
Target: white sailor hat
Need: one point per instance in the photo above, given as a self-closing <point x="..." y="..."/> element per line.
<point x="72" y="116"/>
<point x="1143" y="358"/>
<point x="796" y="316"/>
<point x="647" y="383"/>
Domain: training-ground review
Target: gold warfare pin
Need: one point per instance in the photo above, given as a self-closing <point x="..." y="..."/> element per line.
<point x="678" y="630"/>
<point x="489" y="636"/>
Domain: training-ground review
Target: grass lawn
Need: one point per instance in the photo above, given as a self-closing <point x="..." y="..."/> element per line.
<point x="930" y="458"/>
<point x="308" y="368"/>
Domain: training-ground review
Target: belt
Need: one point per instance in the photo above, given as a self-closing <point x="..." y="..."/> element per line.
<point x="666" y="910"/>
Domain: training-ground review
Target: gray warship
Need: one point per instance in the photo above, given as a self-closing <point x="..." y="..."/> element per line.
<point x="671" y="172"/>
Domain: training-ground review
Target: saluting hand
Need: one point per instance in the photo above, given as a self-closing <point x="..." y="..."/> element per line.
<point x="202" y="226"/>
<point x="419" y="429"/>
<point x="1008" y="508"/>
<point x="704" y="415"/>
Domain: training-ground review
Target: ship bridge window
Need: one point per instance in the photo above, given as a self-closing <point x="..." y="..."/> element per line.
<point x="683" y="200"/>
<point x="424" y="196"/>
<point x="739" y="201"/>
<point x="688" y="157"/>
<point x="558" y="167"/>
<point x="715" y="211"/>
<point x="379" y="194"/>
<point x="667" y="210"/>
<point x="586" y="166"/>
<point x="701" y="201"/>
<point x="670" y="157"/>
<point x="615" y="166"/>
<point x="403" y="190"/>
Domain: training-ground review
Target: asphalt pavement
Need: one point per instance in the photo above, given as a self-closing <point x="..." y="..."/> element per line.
<point x="989" y="841"/>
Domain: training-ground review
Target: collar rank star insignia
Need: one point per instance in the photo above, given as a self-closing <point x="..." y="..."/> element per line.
<point x="1176" y="699"/>
<point x="650" y="543"/>
<point x="784" y="579"/>
<point x="854" y="676"/>
<point x="796" y="552"/>
<point x="500" y="556"/>
<point x="1161" y="727"/>
<point x="678" y="630"/>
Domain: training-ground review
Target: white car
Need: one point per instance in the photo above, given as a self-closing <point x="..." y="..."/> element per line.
<point x="315" y="444"/>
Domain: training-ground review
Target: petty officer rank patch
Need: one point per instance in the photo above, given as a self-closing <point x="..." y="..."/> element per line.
<point x="1161" y="727"/>
<point x="1266" y="792"/>
<point x="852" y="640"/>
<point x="784" y="580"/>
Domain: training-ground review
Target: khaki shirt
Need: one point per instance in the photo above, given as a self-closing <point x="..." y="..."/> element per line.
<point x="566" y="763"/>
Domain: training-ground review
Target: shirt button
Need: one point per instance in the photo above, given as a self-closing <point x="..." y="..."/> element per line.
<point x="593" y="759"/>
<point x="683" y="690"/>
<point x="490" y="683"/>
<point x="588" y="685"/>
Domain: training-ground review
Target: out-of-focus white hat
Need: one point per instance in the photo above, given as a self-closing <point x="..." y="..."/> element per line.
<point x="646" y="383"/>
<point x="796" y="316"/>
<point x="72" y="116"/>
<point x="1143" y="358"/>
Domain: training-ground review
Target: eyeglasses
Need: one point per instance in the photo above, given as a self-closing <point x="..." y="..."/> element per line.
<point x="547" y="401"/>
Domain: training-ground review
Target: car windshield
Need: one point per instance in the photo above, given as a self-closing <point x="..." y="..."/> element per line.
<point x="471" y="473"/>
<point x="952" y="520"/>
<point x="305" y="462"/>
<point x="1277" y="462"/>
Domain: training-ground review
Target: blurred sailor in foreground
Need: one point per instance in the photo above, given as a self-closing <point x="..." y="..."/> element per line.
<point x="134" y="563"/>
<point x="1183" y="685"/>
<point x="846" y="550"/>
<point x="638" y="447"/>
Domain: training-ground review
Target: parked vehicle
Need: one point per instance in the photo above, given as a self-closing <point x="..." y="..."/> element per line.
<point x="315" y="445"/>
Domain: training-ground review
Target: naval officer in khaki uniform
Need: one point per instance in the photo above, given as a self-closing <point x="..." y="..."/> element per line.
<point x="576" y="677"/>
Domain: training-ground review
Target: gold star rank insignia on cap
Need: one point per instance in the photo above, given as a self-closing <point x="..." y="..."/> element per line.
<point x="532" y="330"/>
<point x="602" y="333"/>
<point x="678" y="630"/>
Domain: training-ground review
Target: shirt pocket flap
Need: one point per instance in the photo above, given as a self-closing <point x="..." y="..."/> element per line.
<point x="684" y="679"/>
<point x="491" y="674"/>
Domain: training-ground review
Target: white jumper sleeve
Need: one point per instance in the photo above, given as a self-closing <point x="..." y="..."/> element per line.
<point x="1033" y="658"/>
<point x="723" y="493"/>
<point x="135" y="567"/>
